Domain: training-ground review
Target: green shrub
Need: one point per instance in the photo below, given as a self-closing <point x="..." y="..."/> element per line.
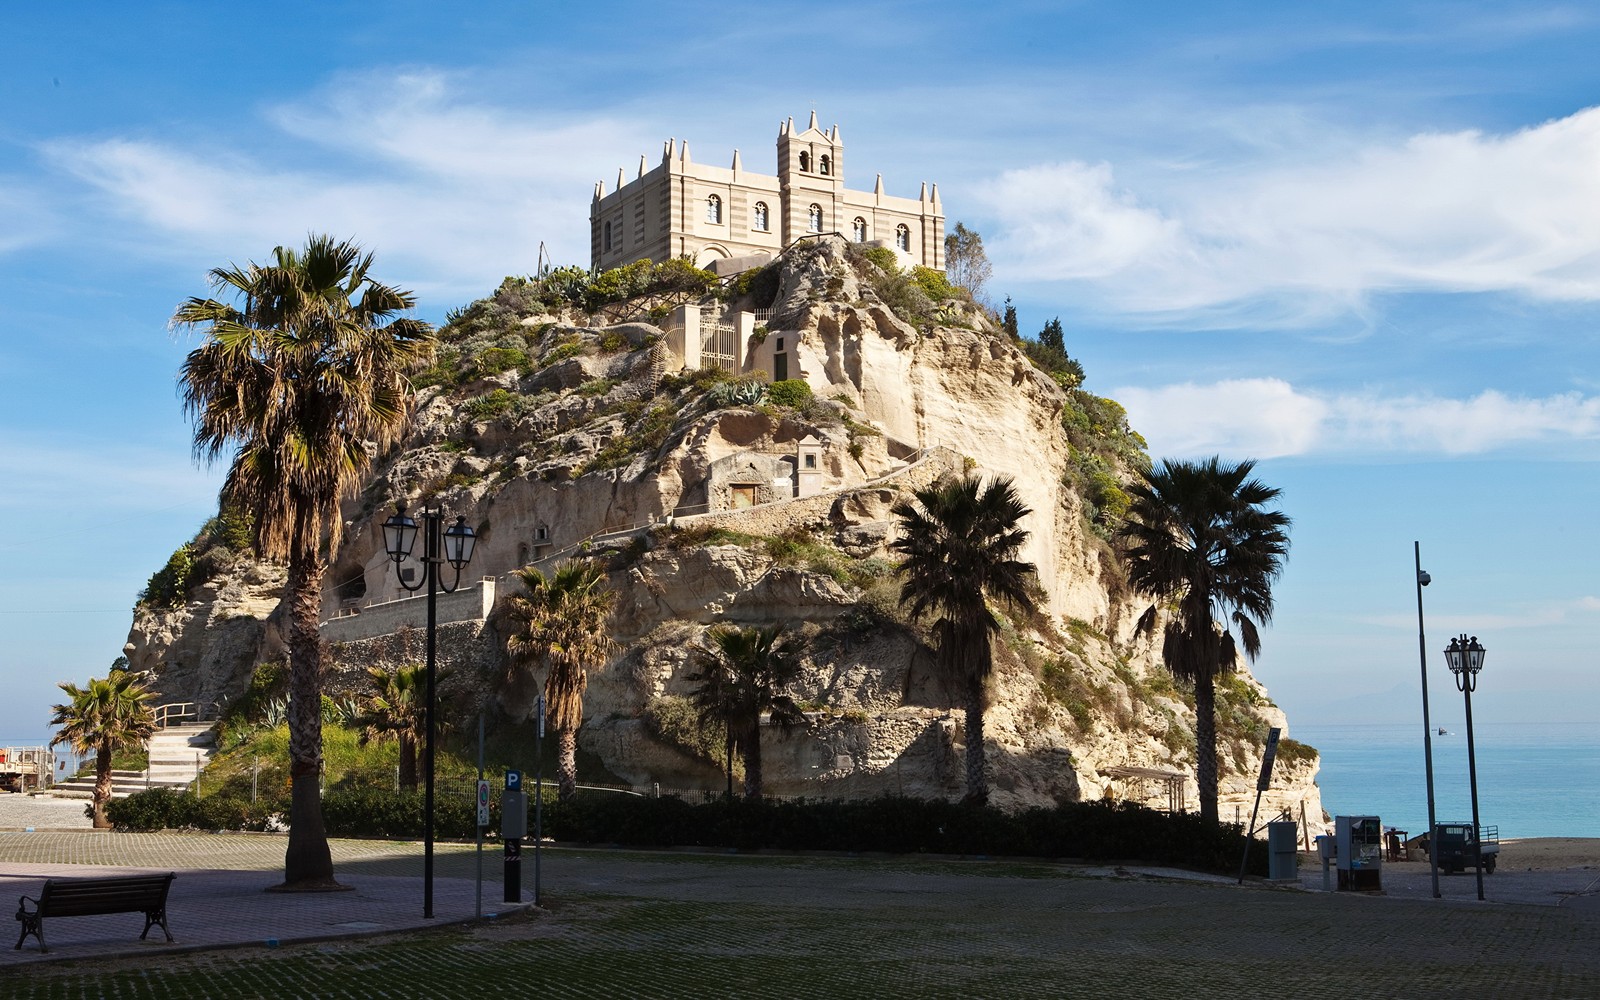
<point x="1295" y="752"/>
<point x="495" y="360"/>
<point x="792" y="392"/>
<point x="1094" y="831"/>
<point x="675" y="722"/>
<point x="490" y="405"/>
<point x="886" y="260"/>
<point x="934" y="284"/>
<point x="169" y="585"/>
<point x="760" y="284"/>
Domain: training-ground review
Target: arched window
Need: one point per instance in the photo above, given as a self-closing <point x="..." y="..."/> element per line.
<point x="758" y="219"/>
<point x="858" y="230"/>
<point x="607" y="243"/>
<point x="805" y="160"/>
<point x="902" y="237"/>
<point x="825" y="164"/>
<point x="814" y="219"/>
<point x="714" y="210"/>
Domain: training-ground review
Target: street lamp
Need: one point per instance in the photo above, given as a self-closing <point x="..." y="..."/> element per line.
<point x="1423" y="579"/>
<point x="1465" y="658"/>
<point x="453" y="545"/>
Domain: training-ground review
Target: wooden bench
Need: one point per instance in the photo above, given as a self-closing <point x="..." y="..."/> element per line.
<point x="82" y="897"/>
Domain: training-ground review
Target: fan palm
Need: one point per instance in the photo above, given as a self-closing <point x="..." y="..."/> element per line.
<point x="301" y="378"/>
<point x="960" y="540"/>
<point x="103" y="717"/>
<point x="741" y="675"/>
<point x="560" y="624"/>
<point x="1199" y="539"/>
<point x="396" y="709"/>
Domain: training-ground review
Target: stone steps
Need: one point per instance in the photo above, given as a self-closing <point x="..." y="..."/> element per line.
<point x="176" y="755"/>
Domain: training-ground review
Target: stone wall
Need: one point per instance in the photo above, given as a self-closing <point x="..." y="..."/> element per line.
<point x="469" y="604"/>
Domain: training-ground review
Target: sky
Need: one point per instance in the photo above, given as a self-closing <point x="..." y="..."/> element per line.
<point x="1357" y="242"/>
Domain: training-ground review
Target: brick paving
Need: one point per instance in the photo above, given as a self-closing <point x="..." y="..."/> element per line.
<point x="626" y="924"/>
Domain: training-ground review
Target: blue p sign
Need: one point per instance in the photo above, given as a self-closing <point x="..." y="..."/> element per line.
<point x="513" y="780"/>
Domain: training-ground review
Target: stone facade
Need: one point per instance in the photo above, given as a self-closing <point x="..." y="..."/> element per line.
<point x="728" y="219"/>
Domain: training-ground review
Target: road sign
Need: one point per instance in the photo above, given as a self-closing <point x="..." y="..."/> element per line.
<point x="538" y="711"/>
<point x="483" y="803"/>
<point x="1265" y="781"/>
<point x="513" y="780"/>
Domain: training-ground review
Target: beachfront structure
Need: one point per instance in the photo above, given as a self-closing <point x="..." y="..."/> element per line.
<point x="728" y="219"/>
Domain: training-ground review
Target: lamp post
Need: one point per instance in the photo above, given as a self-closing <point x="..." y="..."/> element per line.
<point x="1423" y="579"/>
<point x="1465" y="657"/>
<point x="453" y="545"/>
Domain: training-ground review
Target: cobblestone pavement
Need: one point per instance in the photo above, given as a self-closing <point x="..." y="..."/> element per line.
<point x="21" y="812"/>
<point x="626" y="924"/>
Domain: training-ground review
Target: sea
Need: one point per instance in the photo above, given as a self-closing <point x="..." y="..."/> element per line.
<point x="1534" y="779"/>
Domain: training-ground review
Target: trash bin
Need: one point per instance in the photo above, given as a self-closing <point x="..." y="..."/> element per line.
<point x="1283" y="841"/>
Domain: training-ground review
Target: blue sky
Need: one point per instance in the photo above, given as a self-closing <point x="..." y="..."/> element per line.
<point x="1359" y="242"/>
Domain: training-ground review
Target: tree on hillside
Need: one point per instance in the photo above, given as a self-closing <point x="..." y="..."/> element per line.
<point x="1199" y="539"/>
<point x="396" y="708"/>
<point x="101" y="718"/>
<point x="740" y="675"/>
<point x="965" y="263"/>
<point x="301" y="377"/>
<point x="1052" y="336"/>
<point x="560" y="624"/>
<point x="960" y="540"/>
<point x="1008" y="321"/>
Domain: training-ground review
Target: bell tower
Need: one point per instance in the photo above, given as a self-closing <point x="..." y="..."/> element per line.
<point x="810" y="179"/>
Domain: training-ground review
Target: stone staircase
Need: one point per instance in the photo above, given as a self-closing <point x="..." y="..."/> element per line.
<point x="177" y="754"/>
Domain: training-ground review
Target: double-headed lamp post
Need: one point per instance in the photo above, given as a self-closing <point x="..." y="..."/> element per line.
<point x="453" y="545"/>
<point x="1464" y="656"/>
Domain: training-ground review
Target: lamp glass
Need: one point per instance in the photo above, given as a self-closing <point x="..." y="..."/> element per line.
<point x="399" y="535"/>
<point x="459" y="541"/>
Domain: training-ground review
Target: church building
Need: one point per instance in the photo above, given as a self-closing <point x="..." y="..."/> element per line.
<point x="728" y="219"/>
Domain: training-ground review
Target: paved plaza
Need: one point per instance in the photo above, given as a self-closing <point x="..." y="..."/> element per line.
<point x="641" y="924"/>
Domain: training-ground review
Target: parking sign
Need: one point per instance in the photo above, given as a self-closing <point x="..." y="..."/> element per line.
<point x="513" y="780"/>
<point x="483" y="803"/>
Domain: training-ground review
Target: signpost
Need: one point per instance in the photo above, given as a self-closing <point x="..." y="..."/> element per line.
<point x="1262" y="784"/>
<point x="538" y="793"/>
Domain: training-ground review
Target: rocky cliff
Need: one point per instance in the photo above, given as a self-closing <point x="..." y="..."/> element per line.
<point x="558" y="432"/>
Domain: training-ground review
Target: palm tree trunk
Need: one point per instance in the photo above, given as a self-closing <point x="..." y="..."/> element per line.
<point x="977" y="780"/>
<point x="307" y="862"/>
<point x="567" y="763"/>
<point x="408" y="762"/>
<point x="1205" y="745"/>
<point x="752" y="760"/>
<point x="102" y="785"/>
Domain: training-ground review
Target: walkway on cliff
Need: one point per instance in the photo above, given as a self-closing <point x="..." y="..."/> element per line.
<point x="641" y="924"/>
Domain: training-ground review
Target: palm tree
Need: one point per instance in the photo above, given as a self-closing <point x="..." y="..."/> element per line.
<point x="1199" y="539"/>
<point x="106" y="716"/>
<point x="301" y="379"/>
<point x="960" y="540"/>
<point x="741" y="675"/>
<point x="396" y="708"/>
<point x="560" y="623"/>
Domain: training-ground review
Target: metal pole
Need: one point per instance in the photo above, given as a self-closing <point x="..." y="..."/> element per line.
<point x="1427" y="729"/>
<point x="1472" y="772"/>
<point x="538" y="796"/>
<point x="430" y="550"/>
<point x="479" y="911"/>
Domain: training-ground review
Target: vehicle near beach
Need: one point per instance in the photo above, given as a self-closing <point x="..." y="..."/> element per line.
<point x="1459" y="849"/>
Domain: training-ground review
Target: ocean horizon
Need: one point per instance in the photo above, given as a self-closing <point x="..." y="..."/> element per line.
<point x="1534" y="779"/>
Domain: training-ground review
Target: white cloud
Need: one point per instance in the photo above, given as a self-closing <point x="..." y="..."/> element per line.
<point x="1456" y="212"/>
<point x="1269" y="418"/>
<point x="452" y="195"/>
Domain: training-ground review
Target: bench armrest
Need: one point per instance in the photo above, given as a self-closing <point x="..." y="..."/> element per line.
<point x="22" y="904"/>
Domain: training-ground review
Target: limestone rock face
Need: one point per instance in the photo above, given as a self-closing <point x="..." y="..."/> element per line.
<point x="206" y="650"/>
<point x="600" y="446"/>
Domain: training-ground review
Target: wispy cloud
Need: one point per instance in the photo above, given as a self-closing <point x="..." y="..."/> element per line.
<point x="1545" y="615"/>
<point x="454" y="194"/>
<point x="1296" y="242"/>
<point x="1270" y="418"/>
